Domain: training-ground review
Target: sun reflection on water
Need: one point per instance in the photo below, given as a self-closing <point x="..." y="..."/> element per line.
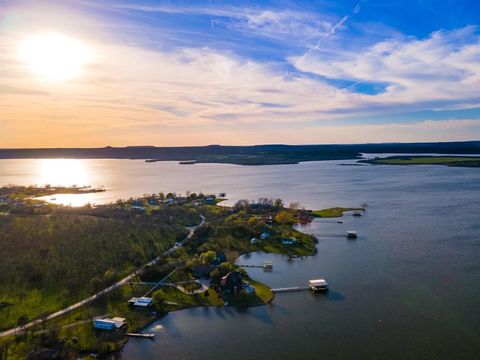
<point x="63" y="172"/>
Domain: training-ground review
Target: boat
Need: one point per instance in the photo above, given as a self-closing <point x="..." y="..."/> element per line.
<point x="318" y="285"/>
<point x="357" y="213"/>
<point x="351" y="234"/>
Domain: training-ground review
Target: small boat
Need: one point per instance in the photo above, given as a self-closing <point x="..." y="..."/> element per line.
<point x="351" y="234"/>
<point x="53" y="198"/>
<point x="357" y="213"/>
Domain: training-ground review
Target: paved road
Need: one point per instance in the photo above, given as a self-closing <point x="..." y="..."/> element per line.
<point x="124" y="281"/>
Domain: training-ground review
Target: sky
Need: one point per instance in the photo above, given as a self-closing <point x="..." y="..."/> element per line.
<point x="87" y="73"/>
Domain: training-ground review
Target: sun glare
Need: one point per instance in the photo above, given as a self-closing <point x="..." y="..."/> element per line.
<point x="55" y="57"/>
<point x="62" y="172"/>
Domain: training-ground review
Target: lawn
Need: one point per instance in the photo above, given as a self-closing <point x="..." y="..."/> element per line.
<point x="171" y="299"/>
<point x="262" y="296"/>
<point x="333" y="212"/>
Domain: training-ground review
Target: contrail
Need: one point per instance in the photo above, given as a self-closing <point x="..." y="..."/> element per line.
<point x="334" y="28"/>
<point x="352" y="85"/>
<point x="211" y="17"/>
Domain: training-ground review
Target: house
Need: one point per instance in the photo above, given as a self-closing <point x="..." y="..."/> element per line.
<point x="152" y="202"/>
<point x="264" y="236"/>
<point x="169" y="201"/>
<point x="141" y="301"/>
<point x="253" y="241"/>
<point x="203" y="271"/>
<point x="232" y="282"/>
<point x="109" y="324"/>
<point x="289" y="241"/>
<point x="210" y="198"/>
<point x="138" y="208"/>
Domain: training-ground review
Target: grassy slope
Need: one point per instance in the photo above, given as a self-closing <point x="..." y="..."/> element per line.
<point x="333" y="212"/>
<point x="49" y="262"/>
<point x="179" y="300"/>
<point x="262" y="296"/>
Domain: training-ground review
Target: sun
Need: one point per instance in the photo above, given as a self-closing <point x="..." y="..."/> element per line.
<point x="55" y="57"/>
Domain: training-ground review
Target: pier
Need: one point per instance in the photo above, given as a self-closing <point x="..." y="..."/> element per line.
<point x="290" y="289"/>
<point x="145" y="336"/>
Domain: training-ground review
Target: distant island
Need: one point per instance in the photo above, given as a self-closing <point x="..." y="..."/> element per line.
<point x="244" y="155"/>
<point x="453" y="161"/>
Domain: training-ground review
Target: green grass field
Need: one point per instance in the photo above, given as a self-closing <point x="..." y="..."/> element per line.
<point x="333" y="212"/>
<point x="456" y="161"/>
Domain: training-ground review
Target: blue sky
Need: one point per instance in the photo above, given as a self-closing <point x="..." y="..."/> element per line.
<point x="245" y="72"/>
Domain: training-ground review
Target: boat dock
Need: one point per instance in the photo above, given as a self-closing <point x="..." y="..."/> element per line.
<point x="290" y="289"/>
<point x="251" y="266"/>
<point x="145" y="336"/>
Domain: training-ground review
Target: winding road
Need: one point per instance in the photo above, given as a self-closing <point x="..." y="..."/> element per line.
<point x="124" y="281"/>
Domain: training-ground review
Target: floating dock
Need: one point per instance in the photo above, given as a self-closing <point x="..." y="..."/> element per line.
<point x="145" y="336"/>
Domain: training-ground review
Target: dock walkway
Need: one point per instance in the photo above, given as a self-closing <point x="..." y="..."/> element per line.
<point x="290" y="289"/>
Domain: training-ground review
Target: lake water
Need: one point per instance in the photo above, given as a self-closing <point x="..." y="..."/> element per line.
<point x="407" y="288"/>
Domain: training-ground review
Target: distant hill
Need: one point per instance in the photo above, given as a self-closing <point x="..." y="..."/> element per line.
<point x="244" y="155"/>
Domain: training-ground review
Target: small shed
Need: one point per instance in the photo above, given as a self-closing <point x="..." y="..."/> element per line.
<point x="141" y="301"/>
<point x="109" y="324"/>
<point x="289" y="241"/>
<point x="264" y="236"/>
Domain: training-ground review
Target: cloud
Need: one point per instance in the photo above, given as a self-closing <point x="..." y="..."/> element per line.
<point x="444" y="66"/>
<point x="133" y="94"/>
<point x="280" y="24"/>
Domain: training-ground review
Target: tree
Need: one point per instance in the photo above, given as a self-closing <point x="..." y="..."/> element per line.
<point x="284" y="217"/>
<point x="241" y="205"/>
<point x="278" y="203"/>
<point x="226" y="267"/>
<point x="294" y="205"/>
<point x="208" y="256"/>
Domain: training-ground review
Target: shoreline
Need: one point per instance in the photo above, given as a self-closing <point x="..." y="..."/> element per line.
<point x="283" y="227"/>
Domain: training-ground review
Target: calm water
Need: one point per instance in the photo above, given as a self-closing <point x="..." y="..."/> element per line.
<point x="407" y="288"/>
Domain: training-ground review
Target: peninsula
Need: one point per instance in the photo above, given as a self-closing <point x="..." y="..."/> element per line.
<point x="72" y="265"/>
